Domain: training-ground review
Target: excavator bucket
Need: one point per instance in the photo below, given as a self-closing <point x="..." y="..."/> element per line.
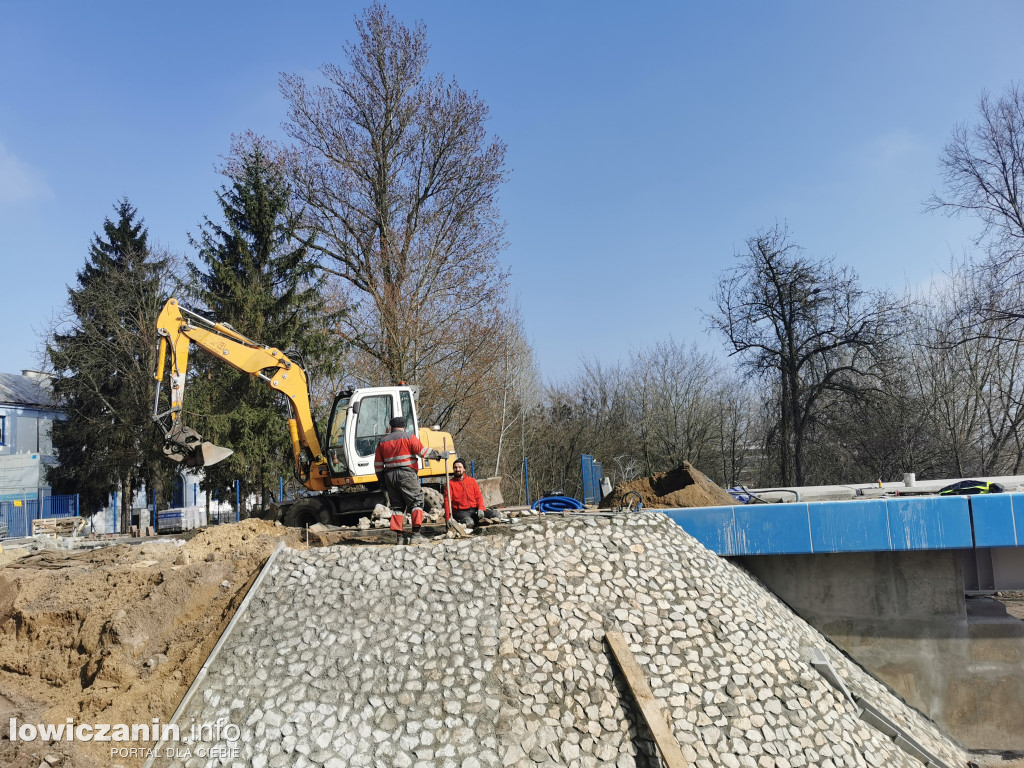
<point x="209" y="454"/>
<point x="186" y="445"/>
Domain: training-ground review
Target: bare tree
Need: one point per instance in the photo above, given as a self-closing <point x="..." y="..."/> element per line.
<point x="983" y="169"/>
<point x="488" y="418"/>
<point x="399" y="177"/>
<point x="518" y="384"/>
<point x="667" y="404"/>
<point x="672" y="391"/>
<point x="736" y="430"/>
<point x="970" y="369"/>
<point x="806" y="327"/>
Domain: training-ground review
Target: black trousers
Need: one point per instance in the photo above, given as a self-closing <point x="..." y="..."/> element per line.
<point x="402" y="485"/>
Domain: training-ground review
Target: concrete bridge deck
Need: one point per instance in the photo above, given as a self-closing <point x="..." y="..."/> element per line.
<point x="893" y="524"/>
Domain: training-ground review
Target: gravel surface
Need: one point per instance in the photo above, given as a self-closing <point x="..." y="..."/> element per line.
<point x="490" y="651"/>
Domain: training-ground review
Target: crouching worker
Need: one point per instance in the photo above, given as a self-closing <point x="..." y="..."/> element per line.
<point x="462" y="496"/>
<point x="395" y="464"/>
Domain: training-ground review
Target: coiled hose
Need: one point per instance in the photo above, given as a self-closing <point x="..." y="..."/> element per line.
<point x="556" y="504"/>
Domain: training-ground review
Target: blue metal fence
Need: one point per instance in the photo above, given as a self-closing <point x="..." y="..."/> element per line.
<point x="16" y="516"/>
<point x="60" y="506"/>
<point x="592" y="473"/>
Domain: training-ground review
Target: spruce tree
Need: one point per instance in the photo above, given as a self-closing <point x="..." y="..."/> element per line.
<point x="255" y="274"/>
<point x="102" y="356"/>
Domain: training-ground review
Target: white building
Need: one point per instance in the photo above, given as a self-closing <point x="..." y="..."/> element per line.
<point x="27" y="412"/>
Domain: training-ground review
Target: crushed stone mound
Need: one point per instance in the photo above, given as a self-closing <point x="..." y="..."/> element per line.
<point x="490" y="651"/>
<point x="117" y="634"/>
<point x="684" y="486"/>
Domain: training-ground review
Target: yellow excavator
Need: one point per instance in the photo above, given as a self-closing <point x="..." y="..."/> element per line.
<point x="359" y="419"/>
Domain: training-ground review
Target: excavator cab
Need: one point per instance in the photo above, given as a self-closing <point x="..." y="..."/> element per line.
<point x="359" y="420"/>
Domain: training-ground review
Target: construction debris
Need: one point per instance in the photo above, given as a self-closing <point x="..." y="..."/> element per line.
<point x="488" y="650"/>
<point x="684" y="486"/>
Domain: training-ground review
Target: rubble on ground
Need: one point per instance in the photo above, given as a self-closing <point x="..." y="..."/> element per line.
<point x="489" y="651"/>
<point x="684" y="486"/>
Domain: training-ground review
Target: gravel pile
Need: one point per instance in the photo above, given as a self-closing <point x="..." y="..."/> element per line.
<point x="490" y="651"/>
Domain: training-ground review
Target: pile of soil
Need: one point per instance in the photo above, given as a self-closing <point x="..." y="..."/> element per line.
<point x="683" y="486"/>
<point x="116" y="635"/>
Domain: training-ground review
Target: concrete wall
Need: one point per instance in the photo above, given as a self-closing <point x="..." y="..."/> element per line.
<point x="1008" y="567"/>
<point x="903" y="616"/>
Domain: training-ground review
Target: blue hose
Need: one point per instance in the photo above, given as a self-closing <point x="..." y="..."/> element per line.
<point x="556" y="504"/>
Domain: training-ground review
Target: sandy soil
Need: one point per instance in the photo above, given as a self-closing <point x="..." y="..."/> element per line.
<point x="1014" y="602"/>
<point x="11" y="554"/>
<point x="684" y="486"/>
<point x="116" y="635"/>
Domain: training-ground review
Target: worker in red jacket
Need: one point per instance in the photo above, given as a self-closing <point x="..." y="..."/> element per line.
<point x="395" y="463"/>
<point x="462" y="496"/>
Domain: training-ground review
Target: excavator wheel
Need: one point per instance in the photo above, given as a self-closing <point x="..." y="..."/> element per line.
<point x="433" y="500"/>
<point x="306" y="512"/>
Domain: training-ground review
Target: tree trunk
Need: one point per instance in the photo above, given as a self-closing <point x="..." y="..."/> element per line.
<point x="126" y="505"/>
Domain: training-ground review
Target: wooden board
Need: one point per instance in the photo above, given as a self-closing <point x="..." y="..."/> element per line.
<point x="649" y="707"/>
<point x="490" y="489"/>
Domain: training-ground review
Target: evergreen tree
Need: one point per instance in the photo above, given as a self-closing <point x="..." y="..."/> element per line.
<point x="102" y="356"/>
<point x="258" y="276"/>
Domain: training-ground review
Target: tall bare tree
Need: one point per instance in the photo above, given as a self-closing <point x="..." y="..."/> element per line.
<point x="983" y="169"/>
<point x="806" y="327"/>
<point x="399" y="177"/>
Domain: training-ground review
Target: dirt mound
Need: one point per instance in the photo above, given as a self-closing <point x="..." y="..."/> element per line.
<point x="117" y="635"/>
<point x="683" y="486"/>
<point x="11" y="554"/>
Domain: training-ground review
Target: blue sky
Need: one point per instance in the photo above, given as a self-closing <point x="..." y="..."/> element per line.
<point x="646" y="142"/>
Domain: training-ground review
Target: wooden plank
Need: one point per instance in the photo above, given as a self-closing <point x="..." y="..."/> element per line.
<point x="58" y="526"/>
<point x="649" y="707"/>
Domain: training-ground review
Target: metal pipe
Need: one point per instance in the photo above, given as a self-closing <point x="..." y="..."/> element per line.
<point x="794" y="491"/>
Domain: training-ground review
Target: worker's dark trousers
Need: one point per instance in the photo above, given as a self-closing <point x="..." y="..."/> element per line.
<point x="466" y="516"/>
<point x="405" y="495"/>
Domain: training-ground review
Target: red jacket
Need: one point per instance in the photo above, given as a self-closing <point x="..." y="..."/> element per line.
<point x="464" y="494"/>
<point x="398" y="449"/>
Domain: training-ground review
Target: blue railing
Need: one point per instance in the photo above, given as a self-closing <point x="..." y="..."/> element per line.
<point x="16" y="516"/>
<point x="874" y="525"/>
<point x="60" y="506"/>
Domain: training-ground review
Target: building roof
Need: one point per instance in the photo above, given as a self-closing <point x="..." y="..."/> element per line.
<point x="32" y="391"/>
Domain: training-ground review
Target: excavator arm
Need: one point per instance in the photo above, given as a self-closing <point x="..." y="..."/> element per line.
<point x="178" y="328"/>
